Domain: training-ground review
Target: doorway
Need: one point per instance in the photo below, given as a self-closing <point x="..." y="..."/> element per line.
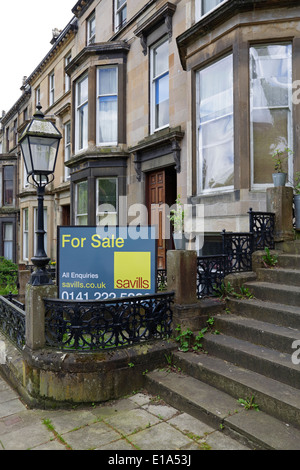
<point x="161" y="194"/>
<point x="66" y="216"/>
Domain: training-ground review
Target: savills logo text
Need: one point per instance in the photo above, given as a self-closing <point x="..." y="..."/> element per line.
<point x="138" y="283"/>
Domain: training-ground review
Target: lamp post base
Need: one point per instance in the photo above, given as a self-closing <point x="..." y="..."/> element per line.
<point x="41" y="276"/>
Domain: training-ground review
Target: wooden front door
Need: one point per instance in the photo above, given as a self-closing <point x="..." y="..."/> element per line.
<point x="156" y="211"/>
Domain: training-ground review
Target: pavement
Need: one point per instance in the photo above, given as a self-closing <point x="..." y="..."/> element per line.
<point x="140" y="422"/>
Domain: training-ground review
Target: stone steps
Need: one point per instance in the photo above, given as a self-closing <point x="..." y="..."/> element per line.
<point x="269" y="362"/>
<point x="250" y="357"/>
<point x="288" y="260"/>
<point x="256" y="429"/>
<point x="277" y="313"/>
<point x="279" y="276"/>
<point x="258" y="332"/>
<point x="273" y="397"/>
<point x="276" y="293"/>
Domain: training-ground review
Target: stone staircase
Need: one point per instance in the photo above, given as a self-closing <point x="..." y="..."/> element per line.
<point x="251" y="357"/>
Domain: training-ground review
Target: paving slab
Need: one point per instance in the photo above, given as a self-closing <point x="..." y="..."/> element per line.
<point x="191" y="426"/>
<point x="121" y="444"/>
<point x="219" y="441"/>
<point x="132" y="421"/>
<point x="11" y="407"/>
<point x="26" y="438"/>
<point x="161" y="411"/>
<point x="160" y="437"/>
<point x="90" y="437"/>
<point x="66" y="421"/>
<point x="7" y="395"/>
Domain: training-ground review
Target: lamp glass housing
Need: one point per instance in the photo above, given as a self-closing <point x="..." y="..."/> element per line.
<point x="39" y="144"/>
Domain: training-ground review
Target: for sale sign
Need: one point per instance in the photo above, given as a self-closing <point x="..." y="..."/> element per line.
<point x="100" y="263"/>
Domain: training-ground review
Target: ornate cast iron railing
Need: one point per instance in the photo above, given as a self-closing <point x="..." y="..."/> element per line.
<point x="211" y="271"/>
<point x="12" y="322"/>
<point x="238" y="247"/>
<point x="89" y="326"/>
<point x="161" y="279"/>
<point x="237" y="252"/>
<point x="262" y="226"/>
<point x="12" y="299"/>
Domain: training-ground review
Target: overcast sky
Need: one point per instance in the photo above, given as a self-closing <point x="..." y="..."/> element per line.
<point x="25" y="35"/>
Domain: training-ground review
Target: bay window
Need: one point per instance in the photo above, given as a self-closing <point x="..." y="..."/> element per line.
<point x="107" y="107"/>
<point x="107" y="201"/>
<point x="81" y="203"/>
<point x="8" y="241"/>
<point x="25" y="235"/>
<point x="215" y="126"/>
<point x="159" y="85"/>
<point x="81" y="141"/>
<point x="271" y="108"/>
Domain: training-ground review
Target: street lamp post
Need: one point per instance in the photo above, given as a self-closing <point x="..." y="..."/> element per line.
<point x="39" y="145"/>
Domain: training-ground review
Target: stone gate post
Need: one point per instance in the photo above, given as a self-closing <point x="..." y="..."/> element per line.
<point x="35" y="314"/>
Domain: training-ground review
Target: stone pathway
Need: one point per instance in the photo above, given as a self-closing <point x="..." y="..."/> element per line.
<point x="139" y="422"/>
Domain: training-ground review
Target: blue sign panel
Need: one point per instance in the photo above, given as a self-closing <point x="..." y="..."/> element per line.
<point x="101" y="263"/>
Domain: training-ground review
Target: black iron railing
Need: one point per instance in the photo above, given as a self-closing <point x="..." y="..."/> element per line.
<point x="238" y="248"/>
<point x="12" y="322"/>
<point x="262" y="226"/>
<point x="161" y="279"/>
<point x="12" y="298"/>
<point x="89" y="326"/>
<point x="237" y="252"/>
<point x="211" y="271"/>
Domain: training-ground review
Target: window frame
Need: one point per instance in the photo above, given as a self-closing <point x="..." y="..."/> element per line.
<point x="199" y="9"/>
<point x="98" y="98"/>
<point x="79" y="146"/>
<point x="153" y="81"/>
<point x="37" y="96"/>
<point x="15" y="132"/>
<point x="68" y="59"/>
<point x="25" y="247"/>
<point x="99" y="214"/>
<point x="5" y="181"/>
<point x="10" y="241"/>
<point x="118" y="11"/>
<point x="51" y="88"/>
<point x="83" y="214"/>
<point x="200" y="189"/>
<point x="289" y="108"/>
<point x="67" y="148"/>
<point x="91" y="30"/>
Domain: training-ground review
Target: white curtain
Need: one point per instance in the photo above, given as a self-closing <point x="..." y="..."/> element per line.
<point x="270" y="97"/>
<point x="8" y="241"/>
<point x="216" y="130"/>
<point x="108" y="105"/>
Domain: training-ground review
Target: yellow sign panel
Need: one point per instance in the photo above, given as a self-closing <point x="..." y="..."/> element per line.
<point x="132" y="270"/>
